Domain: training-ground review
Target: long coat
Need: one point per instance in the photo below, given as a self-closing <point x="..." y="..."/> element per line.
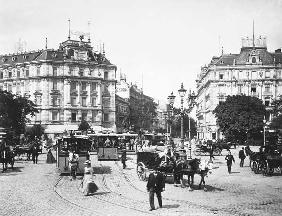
<point x="156" y="181"/>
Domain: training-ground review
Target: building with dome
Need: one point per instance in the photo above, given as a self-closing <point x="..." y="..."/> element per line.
<point x="254" y="71"/>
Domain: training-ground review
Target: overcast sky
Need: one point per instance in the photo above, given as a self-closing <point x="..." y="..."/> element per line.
<point x="165" y="40"/>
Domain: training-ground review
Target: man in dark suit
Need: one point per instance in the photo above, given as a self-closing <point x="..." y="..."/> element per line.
<point x="155" y="184"/>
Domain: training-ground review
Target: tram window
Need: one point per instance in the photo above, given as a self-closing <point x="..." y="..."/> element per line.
<point x="73" y="116"/>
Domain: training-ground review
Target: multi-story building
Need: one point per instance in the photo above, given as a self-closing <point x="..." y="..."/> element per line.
<point x="137" y="103"/>
<point x="122" y="114"/>
<point x="254" y="72"/>
<point x="70" y="84"/>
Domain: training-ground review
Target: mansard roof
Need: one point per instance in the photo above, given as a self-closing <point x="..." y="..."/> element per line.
<point x="18" y="58"/>
<point x="62" y="53"/>
<point x="266" y="58"/>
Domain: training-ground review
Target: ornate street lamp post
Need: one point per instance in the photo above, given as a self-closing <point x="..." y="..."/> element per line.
<point x="264" y="121"/>
<point x="170" y="99"/>
<point x="191" y="102"/>
<point x="182" y="92"/>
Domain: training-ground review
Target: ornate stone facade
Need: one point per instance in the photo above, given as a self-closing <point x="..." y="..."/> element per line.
<point x="254" y="72"/>
<point x="68" y="85"/>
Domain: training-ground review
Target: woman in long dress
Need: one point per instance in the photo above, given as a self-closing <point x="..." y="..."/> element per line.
<point x="50" y="157"/>
<point x="88" y="185"/>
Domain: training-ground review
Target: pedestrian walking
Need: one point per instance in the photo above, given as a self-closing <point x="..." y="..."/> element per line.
<point x="155" y="184"/>
<point x="242" y="157"/>
<point x="123" y="158"/>
<point x="88" y="185"/>
<point x="35" y="154"/>
<point x="50" y="158"/>
<point x="229" y="159"/>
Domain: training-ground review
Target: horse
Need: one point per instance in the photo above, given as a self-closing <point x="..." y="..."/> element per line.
<point x="190" y="168"/>
<point x="7" y="156"/>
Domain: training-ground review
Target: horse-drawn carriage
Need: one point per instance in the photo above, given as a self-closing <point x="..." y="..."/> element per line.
<point x="171" y="166"/>
<point x="266" y="161"/>
<point x="6" y="157"/>
<point x="148" y="161"/>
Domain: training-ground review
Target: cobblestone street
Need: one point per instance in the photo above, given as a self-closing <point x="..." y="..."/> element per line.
<point x="36" y="189"/>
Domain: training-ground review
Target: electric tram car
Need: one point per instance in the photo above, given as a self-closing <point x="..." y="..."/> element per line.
<point x="77" y="143"/>
<point x="107" y="145"/>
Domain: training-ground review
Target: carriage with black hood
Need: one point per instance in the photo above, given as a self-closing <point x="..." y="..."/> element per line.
<point x="175" y="166"/>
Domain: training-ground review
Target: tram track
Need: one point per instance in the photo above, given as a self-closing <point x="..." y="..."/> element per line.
<point x="71" y="203"/>
<point x="114" y="195"/>
<point x="192" y="204"/>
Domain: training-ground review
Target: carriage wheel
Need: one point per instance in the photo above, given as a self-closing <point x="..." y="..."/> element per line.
<point x="255" y="167"/>
<point x="217" y="152"/>
<point x="141" y="171"/>
<point x="269" y="170"/>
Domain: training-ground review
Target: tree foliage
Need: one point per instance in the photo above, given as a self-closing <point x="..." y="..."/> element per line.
<point x="176" y="123"/>
<point x="35" y="131"/>
<point x="14" y="111"/>
<point x="84" y="126"/>
<point x="142" y="114"/>
<point x="276" y="122"/>
<point x="240" y="117"/>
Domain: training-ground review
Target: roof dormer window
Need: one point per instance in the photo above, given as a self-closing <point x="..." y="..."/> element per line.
<point x="25" y="57"/>
<point x="14" y="58"/>
<point x="4" y="59"/>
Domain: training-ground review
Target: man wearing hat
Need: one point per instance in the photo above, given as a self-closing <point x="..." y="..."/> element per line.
<point x="155" y="184"/>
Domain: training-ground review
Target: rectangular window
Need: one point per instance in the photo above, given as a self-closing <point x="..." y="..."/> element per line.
<point x="239" y="89"/>
<point x="27" y="72"/>
<point x="220" y="76"/>
<point x="267" y="103"/>
<point x="106" y="117"/>
<point x="93" y="101"/>
<point x="18" y="87"/>
<point x="18" y="73"/>
<point x="93" y="86"/>
<point x="38" y="100"/>
<point x="253" y="89"/>
<point x="254" y="74"/>
<point x="267" y="74"/>
<point x="94" y="115"/>
<point x="73" y="116"/>
<point x="38" y="71"/>
<point x="10" y="87"/>
<point x="55" y="85"/>
<point x="267" y="88"/>
<point x="54" y="71"/>
<point x="55" y="101"/>
<point x="84" y="116"/>
<point x="10" y="74"/>
<point x="1" y="75"/>
<point x="107" y="102"/>
<point x="55" y="116"/>
<point x="73" y="86"/>
<point x="83" y="86"/>
<point x="73" y="101"/>
<point x="83" y="100"/>
<point x="106" y="75"/>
